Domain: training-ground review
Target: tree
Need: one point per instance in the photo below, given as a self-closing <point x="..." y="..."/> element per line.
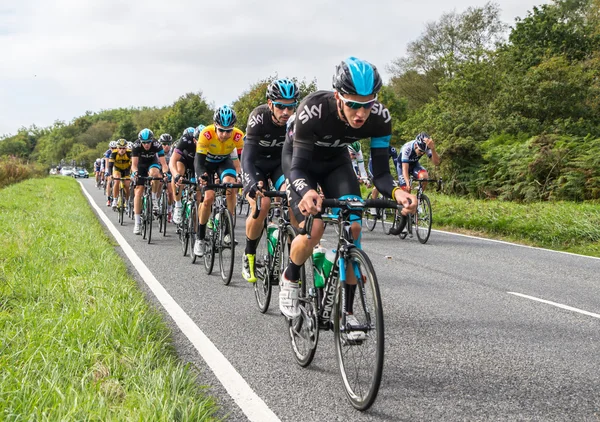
<point x="189" y="110"/>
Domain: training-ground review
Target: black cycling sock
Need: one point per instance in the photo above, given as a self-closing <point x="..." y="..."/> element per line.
<point x="350" y="292"/>
<point x="201" y="231"/>
<point x="251" y="246"/>
<point x="292" y="272"/>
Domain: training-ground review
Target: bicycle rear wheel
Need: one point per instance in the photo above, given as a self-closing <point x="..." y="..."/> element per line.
<point x="193" y="230"/>
<point x="150" y="217"/>
<point x="423" y="219"/>
<point x="263" y="263"/>
<point x="164" y="200"/>
<point x="371" y="218"/>
<point x="226" y="245"/>
<point x="304" y="330"/>
<point x="144" y="216"/>
<point x="359" y="349"/>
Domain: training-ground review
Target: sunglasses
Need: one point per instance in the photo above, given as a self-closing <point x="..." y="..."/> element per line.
<point x="147" y="142"/>
<point x="220" y="129"/>
<point x="122" y="148"/>
<point x="283" y="106"/>
<point x="355" y="105"/>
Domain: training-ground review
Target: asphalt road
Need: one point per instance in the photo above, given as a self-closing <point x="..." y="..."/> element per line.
<point x="458" y="345"/>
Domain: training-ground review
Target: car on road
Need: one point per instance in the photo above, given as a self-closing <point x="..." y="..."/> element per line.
<point x="66" y="171"/>
<point x="81" y="172"/>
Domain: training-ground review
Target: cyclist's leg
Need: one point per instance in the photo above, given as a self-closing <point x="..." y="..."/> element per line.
<point x="137" y="201"/>
<point x="227" y="173"/>
<point x="115" y="192"/>
<point x="154" y="171"/>
<point x="419" y="173"/>
<point x="254" y="226"/>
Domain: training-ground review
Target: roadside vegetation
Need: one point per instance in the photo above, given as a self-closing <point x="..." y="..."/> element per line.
<point x="13" y="170"/>
<point x="78" y="341"/>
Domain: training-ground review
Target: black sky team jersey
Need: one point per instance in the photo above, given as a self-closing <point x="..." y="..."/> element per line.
<point x="317" y="134"/>
<point x="262" y="133"/>
<point x="147" y="156"/>
<point x="187" y="149"/>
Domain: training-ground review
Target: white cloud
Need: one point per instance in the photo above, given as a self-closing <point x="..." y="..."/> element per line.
<point x="63" y="57"/>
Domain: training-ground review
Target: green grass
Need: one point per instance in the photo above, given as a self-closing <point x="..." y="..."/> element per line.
<point x="78" y="341"/>
<point x="14" y="170"/>
<point x="564" y="226"/>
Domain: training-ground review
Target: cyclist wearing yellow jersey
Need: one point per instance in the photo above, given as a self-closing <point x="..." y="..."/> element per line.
<point x="216" y="153"/>
<point x="120" y="160"/>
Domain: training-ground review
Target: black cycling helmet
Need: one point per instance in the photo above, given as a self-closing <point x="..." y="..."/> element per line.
<point x="356" y="77"/>
<point x="165" y="138"/>
<point x="421" y="141"/>
<point x="225" y="116"/>
<point x="282" y="89"/>
<point x="188" y="133"/>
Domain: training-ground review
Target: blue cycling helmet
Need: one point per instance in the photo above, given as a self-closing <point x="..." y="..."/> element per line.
<point x="225" y="116"/>
<point x="421" y="141"/>
<point x="188" y="133"/>
<point x="282" y="89"/>
<point x="356" y="77"/>
<point x="199" y="129"/>
<point x="145" y="135"/>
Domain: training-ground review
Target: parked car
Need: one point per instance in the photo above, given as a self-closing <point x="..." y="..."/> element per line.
<point x="53" y="170"/>
<point x="80" y="172"/>
<point x="66" y="171"/>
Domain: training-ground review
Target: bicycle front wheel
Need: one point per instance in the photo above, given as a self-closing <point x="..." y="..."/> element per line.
<point x="423" y="219"/>
<point x="193" y="230"/>
<point x="371" y="217"/>
<point x="226" y="245"/>
<point x="359" y="348"/>
<point x="144" y="216"/>
<point x="184" y="234"/>
<point x="263" y="271"/>
<point x="304" y="330"/>
<point x="121" y="206"/>
<point x="149" y="217"/>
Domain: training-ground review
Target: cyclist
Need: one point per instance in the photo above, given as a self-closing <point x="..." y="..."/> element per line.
<point x="112" y="145"/>
<point x="411" y="152"/>
<point x="216" y="153"/>
<point x="121" y="168"/>
<point x="166" y="140"/>
<point x="148" y="156"/>
<point x="358" y="162"/>
<point x="181" y="161"/>
<point x="97" y="170"/>
<point x="265" y="136"/>
<point x="315" y="153"/>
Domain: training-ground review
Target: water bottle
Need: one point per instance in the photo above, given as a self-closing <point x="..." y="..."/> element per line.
<point x="328" y="262"/>
<point x="272" y="235"/>
<point x="318" y="258"/>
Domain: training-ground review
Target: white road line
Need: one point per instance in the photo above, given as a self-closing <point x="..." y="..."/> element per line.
<point x="249" y="402"/>
<point x="568" y="308"/>
<point x="514" y="244"/>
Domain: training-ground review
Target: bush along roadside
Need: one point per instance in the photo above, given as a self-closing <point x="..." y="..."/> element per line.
<point x="77" y="339"/>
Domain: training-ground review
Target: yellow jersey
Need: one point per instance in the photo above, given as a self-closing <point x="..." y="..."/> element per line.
<point x="121" y="162"/>
<point x="215" y="150"/>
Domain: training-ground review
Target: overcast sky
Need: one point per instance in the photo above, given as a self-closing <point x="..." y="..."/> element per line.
<point x="60" y="58"/>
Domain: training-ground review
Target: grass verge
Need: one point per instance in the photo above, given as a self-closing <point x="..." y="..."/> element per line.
<point x="77" y="339"/>
<point x="13" y="170"/>
<point x="564" y="226"/>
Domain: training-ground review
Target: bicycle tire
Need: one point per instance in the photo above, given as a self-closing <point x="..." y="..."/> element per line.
<point x="193" y="230"/>
<point x="371" y="219"/>
<point x="424" y="219"/>
<point x="263" y="271"/>
<point x="304" y="330"/>
<point x="369" y="312"/>
<point x="226" y="226"/>
<point x="144" y="219"/>
<point x="150" y="216"/>
<point x="209" y="244"/>
<point x="121" y="205"/>
<point x="184" y="235"/>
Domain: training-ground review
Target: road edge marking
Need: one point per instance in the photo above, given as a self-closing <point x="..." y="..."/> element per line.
<point x="236" y="386"/>
<point x="558" y="305"/>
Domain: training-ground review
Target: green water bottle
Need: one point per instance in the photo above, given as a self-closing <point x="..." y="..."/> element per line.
<point x="318" y="258"/>
<point x="272" y="235"/>
<point x="328" y="262"/>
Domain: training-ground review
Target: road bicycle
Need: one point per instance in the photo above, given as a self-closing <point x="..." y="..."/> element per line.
<point x="189" y="217"/>
<point x="121" y="199"/>
<point x="147" y="211"/>
<point x="423" y="219"/>
<point x="162" y="214"/>
<point x="220" y="237"/>
<point x="327" y="306"/>
<point x="272" y="249"/>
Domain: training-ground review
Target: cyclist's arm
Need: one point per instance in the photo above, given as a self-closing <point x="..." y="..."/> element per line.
<point x="134" y="164"/>
<point x="382" y="178"/>
<point x="163" y="163"/>
<point x="405" y="167"/>
<point x="175" y="157"/>
<point x="249" y="160"/>
<point x="303" y="146"/>
<point x="200" y="164"/>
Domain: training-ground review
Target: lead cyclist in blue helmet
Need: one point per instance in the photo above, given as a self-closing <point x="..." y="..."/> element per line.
<point x="147" y="159"/>
<point x="410" y="154"/>
<point x="315" y="152"/>
<point x="261" y="162"/>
